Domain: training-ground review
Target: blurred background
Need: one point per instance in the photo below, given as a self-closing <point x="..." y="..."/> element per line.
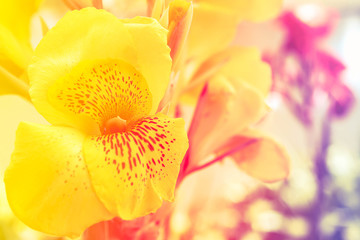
<point x="314" y="50"/>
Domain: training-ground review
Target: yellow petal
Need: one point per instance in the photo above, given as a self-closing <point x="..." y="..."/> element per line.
<point x="102" y="90"/>
<point x="133" y="171"/>
<point x="47" y="182"/>
<point x="212" y="29"/>
<point x="238" y="65"/>
<point x="254" y="10"/>
<point x="223" y="17"/>
<point x="63" y="48"/>
<point x="245" y="64"/>
<point x="12" y="85"/>
<point x="14" y="110"/>
<point x="91" y="34"/>
<point x="44" y="26"/>
<point x="14" y="56"/>
<point x="153" y="55"/>
<point x="259" y="10"/>
<point x="15" y="49"/>
<point x="263" y="158"/>
<point x="15" y="15"/>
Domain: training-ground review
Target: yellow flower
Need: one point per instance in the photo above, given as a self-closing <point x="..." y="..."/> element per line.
<point x="15" y="49"/>
<point x="98" y="80"/>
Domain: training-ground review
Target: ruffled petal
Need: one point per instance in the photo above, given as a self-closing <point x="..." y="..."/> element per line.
<point x="91" y="35"/>
<point x="47" y="182"/>
<point x="262" y="157"/>
<point x="63" y="47"/>
<point x="133" y="171"/>
<point x="153" y="55"/>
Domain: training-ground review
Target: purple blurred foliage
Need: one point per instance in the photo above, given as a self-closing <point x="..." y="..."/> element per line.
<point x="303" y="71"/>
<point x="302" y="68"/>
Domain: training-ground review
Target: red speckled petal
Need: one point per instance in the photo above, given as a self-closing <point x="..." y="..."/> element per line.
<point x="133" y="170"/>
<point x="96" y="35"/>
<point x="103" y="90"/>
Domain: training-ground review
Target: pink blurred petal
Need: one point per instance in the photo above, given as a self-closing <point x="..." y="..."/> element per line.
<point x="222" y="111"/>
<point x="263" y="158"/>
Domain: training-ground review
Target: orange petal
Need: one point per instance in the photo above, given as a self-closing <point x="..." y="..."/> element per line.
<point x="222" y="111"/>
<point x="150" y="6"/>
<point x="263" y="159"/>
<point x="145" y="228"/>
<point x="79" y="4"/>
<point x="133" y="171"/>
<point x="97" y="4"/>
<point x="239" y="64"/>
<point x="180" y="16"/>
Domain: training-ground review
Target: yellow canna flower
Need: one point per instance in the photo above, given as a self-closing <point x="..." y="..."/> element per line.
<point x="98" y="80"/>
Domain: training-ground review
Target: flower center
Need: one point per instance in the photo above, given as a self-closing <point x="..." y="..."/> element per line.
<point x="114" y="125"/>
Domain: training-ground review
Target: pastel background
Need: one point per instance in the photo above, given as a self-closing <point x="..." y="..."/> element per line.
<point x="321" y="197"/>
